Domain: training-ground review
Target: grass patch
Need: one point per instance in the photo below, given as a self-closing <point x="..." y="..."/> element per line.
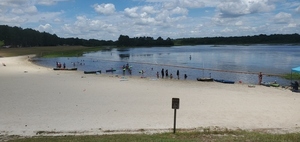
<point x="294" y="76"/>
<point x="52" y="51"/>
<point x="206" y="135"/>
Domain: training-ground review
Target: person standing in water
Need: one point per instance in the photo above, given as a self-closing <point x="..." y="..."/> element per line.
<point x="259" y="78"/>
<point x="162" y="73"/>
<point x="177" y="74"/>
<point x="167" y="74"/>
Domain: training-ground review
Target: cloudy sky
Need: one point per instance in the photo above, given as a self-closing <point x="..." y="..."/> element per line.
<point x="108" y="19"/>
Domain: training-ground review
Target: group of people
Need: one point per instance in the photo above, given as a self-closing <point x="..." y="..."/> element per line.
<point x="166" y="72"/>
<point x="126" y="67"/>
<point x="58" y="65"/>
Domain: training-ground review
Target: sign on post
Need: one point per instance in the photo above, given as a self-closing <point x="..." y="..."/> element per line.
<point x="175" y="103"/>
<point x="175" y="106"/>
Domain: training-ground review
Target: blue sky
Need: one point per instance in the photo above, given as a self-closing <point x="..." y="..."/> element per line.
<point x="108" y="19"/>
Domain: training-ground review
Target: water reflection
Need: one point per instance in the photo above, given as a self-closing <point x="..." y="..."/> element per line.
<point x="236" y="63"/>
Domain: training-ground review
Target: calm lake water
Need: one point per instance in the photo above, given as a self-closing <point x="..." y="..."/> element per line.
<point x="230" y="62"/>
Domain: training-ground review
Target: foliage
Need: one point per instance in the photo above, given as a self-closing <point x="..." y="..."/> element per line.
<point x="294" y="76"/>
<point x="1" y="43"/>
<point x="18" y="37"/>
<point x="125" y="41"/>
<point x="257" y="39"/>
<point x="217" y="136"/>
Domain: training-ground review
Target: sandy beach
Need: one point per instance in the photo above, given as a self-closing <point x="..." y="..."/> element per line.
<point x="38" y="100"/>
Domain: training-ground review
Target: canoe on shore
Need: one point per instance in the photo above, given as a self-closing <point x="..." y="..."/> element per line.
<point x="111" y="70"/>
<point x="268" y="84"/>
<point x="65" y="69"/>
<point x="205" y="79"/>
<point x="224" y="81"/>
<point x="92" y="72"/>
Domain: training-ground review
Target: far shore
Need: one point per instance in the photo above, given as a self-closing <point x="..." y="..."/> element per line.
<point x="36" y="100"/>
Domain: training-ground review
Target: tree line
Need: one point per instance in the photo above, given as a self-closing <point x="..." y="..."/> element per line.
<point x="256" y="39"/>
<point x="18" y="37"/>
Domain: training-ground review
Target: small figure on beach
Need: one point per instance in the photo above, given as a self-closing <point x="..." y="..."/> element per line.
<point x="171" y="76"/>
<point x="177" y="74"/>
<point x="58" y="64"/>
<point x="295" y="85"/>
<point x="162" y="73"/>
<point x="124" y="69"/>
<point x="129" y="70"/>
<point x="64" y="65"/>
<point x="185" y="76"/>
<point x="157" y="74"/>
<point x="167" y="73"/>
<point x="259" y="78"/>
<point x="142" y="72"/>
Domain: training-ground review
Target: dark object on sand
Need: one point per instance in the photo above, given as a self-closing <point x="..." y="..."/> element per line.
<point x="205" y="79"/>
<point x="111" y="70"/>
<point x="92" y="72"/>
<point x="65" y="69"/>
<point x="224" y="81"/>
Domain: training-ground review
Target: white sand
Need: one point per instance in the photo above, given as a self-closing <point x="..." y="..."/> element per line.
<point x="35" y="98"/>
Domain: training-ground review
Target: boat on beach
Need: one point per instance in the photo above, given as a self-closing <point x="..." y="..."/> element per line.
<point x="224" y="81"/>
<point x="65" y="69"/>
<point x="111" y="70"/>
<point x="92" y="72"/>
<point x="206" y="79"/>
<point x="268" y="84"/>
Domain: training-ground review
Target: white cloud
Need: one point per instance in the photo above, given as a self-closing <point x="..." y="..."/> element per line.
<point x="239" y="23"/>
<point x="298" y="9"/>
<point x="48" y="2"/>
<point x="179" y="10"/>
<point x="131" y="12"/>
<point x="13" y="3"/>
<point x="17" y="11"/>
<point x="242" y="7"/>
<point x="45" y="28"/>
<point x="85" y="27"/>
<point x="282" y="18"/>
<point x="149" y="9"/>
<point x="105" y="9"/>
<point x="31" y="10"/>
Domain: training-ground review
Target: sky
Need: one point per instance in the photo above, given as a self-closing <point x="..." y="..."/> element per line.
<point x="108" y="19"/>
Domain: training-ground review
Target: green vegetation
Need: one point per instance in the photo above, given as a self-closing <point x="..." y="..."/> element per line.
<point x="206" y="135"/>
<point x="126" y="41"/>
<point x="242" y="40"/>
<point x="55" y="51"/>
<point x="294" y="76"/>
<point x="18" y="37"/>
<point x="1" y="43"/>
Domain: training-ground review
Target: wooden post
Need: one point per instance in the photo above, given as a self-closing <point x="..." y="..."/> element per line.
<point x="175" y="106"/>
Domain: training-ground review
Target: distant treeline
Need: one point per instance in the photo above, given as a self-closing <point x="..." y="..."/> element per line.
<point x="18" y="37"/>
<point x="125" y="41"/>
<point x="257" y="39"/>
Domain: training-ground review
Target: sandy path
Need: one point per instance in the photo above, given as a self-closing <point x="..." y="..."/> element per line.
<point x="35" y="98"/>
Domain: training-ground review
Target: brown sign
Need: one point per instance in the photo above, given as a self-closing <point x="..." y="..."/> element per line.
<point x="175" y="103"/>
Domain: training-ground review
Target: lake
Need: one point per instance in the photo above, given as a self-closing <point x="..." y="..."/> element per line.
<point x="229" y="62"/>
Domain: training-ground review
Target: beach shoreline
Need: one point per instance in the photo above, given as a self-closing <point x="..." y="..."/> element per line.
<point x="36" y="100"/>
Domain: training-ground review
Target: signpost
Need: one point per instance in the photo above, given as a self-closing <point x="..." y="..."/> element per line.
<point x="175" y="105"/>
